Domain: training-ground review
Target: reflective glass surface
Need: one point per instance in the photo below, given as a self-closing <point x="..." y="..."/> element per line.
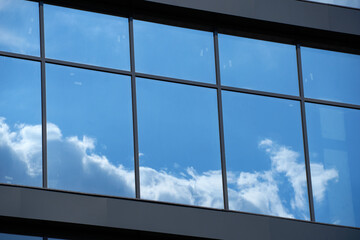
<point x="18" y="237"/>
<point x="89" y="131"/>
<point x="334" y="138"/>
<point x="19" y="27"/>
<point x="331" y="75"/>
<point x="20" y="122"/>
<point x="179" y="143"/>
<point x="86" y="37"/>
<point x="343" y="3"/>
<point x="258" y="65"/>
<point x="174" y="52"/>
<point x="264" y="155"/>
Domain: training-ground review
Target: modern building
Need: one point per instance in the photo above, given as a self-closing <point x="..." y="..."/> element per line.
<point x="167" y="119"/>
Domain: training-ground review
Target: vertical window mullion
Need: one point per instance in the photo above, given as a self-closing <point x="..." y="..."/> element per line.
<point x="43" y="95"/>
<point x="134" y="109"/>
<point x="221" y="126"/>
<point x="305" y="138"/>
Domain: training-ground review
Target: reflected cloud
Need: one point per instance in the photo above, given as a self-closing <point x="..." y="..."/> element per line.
<point x="18" y="29"/>
<point x="75" y="165"/>
<point x="23" y="144"/>
<point x="320" y="178"/>
<point x="16" y="42"/>
<point x="260" y="191"/>
<point x="190" y="188"/>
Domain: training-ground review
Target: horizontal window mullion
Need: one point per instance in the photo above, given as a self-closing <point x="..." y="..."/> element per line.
<point x="332" y="103"/>
<point x="261" y="93"/>
<point x="20" y="56"/>
<point x="86" y="66"/>
<point x="175" y="80"/>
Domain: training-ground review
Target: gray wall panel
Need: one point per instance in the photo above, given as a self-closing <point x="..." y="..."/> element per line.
<point x="294" y="12"/>
<point x="49" y="205"/>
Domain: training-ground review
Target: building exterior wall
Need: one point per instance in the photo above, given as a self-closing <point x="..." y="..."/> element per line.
<point x="75" y="214"/>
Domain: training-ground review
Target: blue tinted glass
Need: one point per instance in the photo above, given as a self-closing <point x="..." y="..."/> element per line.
<point x="258" y="65"/>
<point x="264" y="155"/>
<point x="343" y="3"/>
<point x="174" y="52"/>
<point x="86" y="37"/>
<point x="331" y="75"/>
<point x="179" y="143"/>
<point x="90" y="144"/>
<point x="19" y="27"/>
<point x="18" y="237"/>
<point x="20" y="122"/>
<point x="334" y="138"/>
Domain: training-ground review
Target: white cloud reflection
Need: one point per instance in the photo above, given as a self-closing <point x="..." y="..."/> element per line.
<point x="17" y="42"/>
<point x="260" y="191"/>
<point x="24" y="145"/>
<point x="76" y="166"/>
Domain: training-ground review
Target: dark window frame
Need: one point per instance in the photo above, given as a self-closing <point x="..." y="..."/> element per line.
<point x="286" y="34"/>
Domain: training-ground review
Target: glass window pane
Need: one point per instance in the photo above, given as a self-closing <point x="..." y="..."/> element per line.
<point x="334" y="138"/>
<point x="18" y="237"/>
<point x="86" y="37"/>
<point x="19" y="27"/>
<point x="264" y="155"/>
<point x="331" y="75"/>
<point x="258" y="65"/>
<point x="174" y="52"/>
<point x="90" y="143"/>
<point x="20" y="122"/>
<point x="179" y="144"/>
<point x="343" y="3"/>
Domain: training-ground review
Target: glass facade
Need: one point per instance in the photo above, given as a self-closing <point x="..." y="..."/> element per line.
<point x="264" y="155"/>
<point x="334" y="135"/>
<point x="259" y="65"/>
<point x="179" y="143"/>
<point x="19" y="27"/>
<point x="18" y="237"/>
<point x="139" y="109"/>
<point x="331" y="76"/>
<point x="343" y="3"/>
<point x="174" y="52"/>
<point x="86" y="37"/>
<point x="20" y="122"/>
<point x="89" y="131"/>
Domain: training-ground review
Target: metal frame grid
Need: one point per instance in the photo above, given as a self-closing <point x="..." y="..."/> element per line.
<point x="133" y="74"/>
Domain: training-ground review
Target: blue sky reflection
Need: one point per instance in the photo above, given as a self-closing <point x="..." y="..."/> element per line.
<point x="333" y="143"/>
<point x="20" y="118"/>
<point x="174" y="52"/>
<point x="90" y="143"/>
<point x="264" y="156"/>
<point x="19" y="27"/>
<point x="179" y="143"/>
<point x="331" y="75"/>
<point x="344" y="3"/>
<point x="86" y="37"/>
<point x="259" y="65"/>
